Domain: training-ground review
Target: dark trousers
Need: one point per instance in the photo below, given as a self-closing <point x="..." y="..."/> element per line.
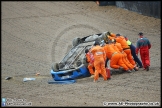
<point x="107" y="60"/>
<point x="136" y="59"/>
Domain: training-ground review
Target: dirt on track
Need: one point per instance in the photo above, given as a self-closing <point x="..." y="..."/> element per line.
<point x="35" y="34"/>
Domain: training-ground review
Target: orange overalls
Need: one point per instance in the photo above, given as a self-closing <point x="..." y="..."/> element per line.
<point x="126" y="48"/>
<point x="99" y="62"/>
<point x="113" y="35"/>
<point x="90" y="60"/>
<point x="124" y="56"/>
<point x="115" y="57"/>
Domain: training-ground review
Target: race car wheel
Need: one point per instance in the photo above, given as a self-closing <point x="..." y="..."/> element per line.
<point x="55" y="67"/>
<point x="76" y="41"/>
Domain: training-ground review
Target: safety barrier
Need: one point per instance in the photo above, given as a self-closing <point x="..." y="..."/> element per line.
<point x="148" y="8"/>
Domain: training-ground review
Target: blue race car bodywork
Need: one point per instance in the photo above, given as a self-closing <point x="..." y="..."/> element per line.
<point x="82" y="71"/>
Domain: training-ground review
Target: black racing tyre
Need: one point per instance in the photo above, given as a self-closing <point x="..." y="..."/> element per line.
<point x="55" y="67"/>
<point x="76" y="41"/>
<point x="61" y="65"/>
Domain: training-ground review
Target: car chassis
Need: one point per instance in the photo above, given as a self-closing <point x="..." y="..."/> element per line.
<point x="74" y="64"/>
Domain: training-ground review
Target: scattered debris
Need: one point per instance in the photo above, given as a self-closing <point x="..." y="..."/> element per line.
<point x="37" y="74"/>
<point x="8" y="78"/>
<point x="61" y="82"/>
<point x="28" y="79"/>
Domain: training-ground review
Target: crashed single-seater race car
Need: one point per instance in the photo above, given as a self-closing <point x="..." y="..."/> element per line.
<point x="74" y="64"/>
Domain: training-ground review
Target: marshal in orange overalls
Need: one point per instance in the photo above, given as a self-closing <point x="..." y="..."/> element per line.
<point x="124" y="56"/>
<point x="99" y="61"/>
<point x="90" y="60"/>
<point x="126" y="48"/>
<point x="115" y="57"/>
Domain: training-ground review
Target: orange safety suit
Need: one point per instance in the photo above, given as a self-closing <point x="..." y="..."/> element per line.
<point x="99" y="62"/>
<point x="126" y="48"/>
<point x="111" y="36"/>
<point x="90" y="60"/>
<point x="115" y="57"/>
<point x="124" y="56"/>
